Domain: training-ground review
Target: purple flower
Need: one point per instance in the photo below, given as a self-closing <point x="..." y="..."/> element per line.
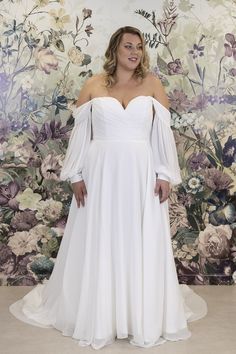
<point x="179" y="100"/>
<point x="213" y="99"/>
<point x="24" y="221"/>
<point x="188" y="272"/>
<point x="175" y="68"/>
<point x="197" y="51"/>
<point x="197" y="161"/>
<point x="217" y="180"/>
<point x="229" y="152"/>
<point x="232" y="72"/>
<point x="8" y="193"/>
<point x="88" y="30"/>
<point x="199" y="102"/>
<point x="230" y="49"/>
<point x="52" y="130"/>
<point x="87" y="13"/>
<point x="5" y="253"/>
<point x="4" y="130"/>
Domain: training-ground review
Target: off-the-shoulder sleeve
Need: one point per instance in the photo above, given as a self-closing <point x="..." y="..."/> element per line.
<point x="163" y="146"/>
<point x="78" y="144"/>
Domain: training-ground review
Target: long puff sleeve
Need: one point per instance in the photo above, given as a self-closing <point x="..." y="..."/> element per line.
<point x="78" y="144"/>
<point x="163" y="146"/>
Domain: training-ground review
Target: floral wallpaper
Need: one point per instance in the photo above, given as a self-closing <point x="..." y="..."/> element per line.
<point x="48" y="49"/>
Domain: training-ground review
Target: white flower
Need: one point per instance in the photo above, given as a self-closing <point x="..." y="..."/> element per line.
<point x="41" y="232"/>
<point x="48" y="210"/>
<point x="28" y="199"/>
<point x="22" y="242"/>
<point x="26" y="83"/>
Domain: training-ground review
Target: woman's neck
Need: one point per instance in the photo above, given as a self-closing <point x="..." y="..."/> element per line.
<point x="123" y="77"/>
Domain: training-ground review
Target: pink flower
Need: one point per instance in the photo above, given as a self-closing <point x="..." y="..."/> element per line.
<point x="230" y="49"/>
<point x="45" y="60"/>
<point x="214" y="241"/>
<point x="87" y="13"/>
<point x="175" y="68"/>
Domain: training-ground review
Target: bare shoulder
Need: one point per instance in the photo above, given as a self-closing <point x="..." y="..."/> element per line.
<point x="88" y="89"/>
<point x="158" y="91"/>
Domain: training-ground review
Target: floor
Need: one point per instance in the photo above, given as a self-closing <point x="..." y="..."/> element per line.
<point x="215" y="334"/>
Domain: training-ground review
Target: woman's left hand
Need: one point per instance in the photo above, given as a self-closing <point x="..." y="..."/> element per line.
<point x="162" y="188"/>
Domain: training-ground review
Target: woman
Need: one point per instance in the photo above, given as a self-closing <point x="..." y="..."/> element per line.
<point x="115" y="275"/>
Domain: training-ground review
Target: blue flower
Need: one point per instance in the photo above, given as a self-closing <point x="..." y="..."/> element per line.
<point x="229" y="152"/>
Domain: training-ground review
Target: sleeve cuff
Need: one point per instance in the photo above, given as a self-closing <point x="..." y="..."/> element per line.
<point x="162" y="176"/>
<point x="76" y="178"/>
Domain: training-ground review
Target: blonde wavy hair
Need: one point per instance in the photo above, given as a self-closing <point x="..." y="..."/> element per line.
<point x="111" y="57"/>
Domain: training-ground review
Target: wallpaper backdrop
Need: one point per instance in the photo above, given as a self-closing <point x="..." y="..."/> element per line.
<point x="48" y="49"/>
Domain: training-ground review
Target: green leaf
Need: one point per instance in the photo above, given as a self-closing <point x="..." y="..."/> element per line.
<point x="216" y="143"/>
<point x="162" y="65"/>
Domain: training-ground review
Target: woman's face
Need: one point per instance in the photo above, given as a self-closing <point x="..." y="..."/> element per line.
<point x="129" y="51"/>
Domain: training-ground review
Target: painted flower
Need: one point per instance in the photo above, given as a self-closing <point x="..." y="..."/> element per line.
<point x="167" y="23"/>
<point x="199" y="102"/>
<point x="23" y="151"/>
<point x="194" y="183"/>
<point x="23" y="221"/>
<point x="28" y="199"/>
<point x="175" y="68"/>
<point x="51" y="167"/>
<point x="197" y="51"/>
<point x="229" y="152"/>
<point x="59" y="18"/>
<point x="75" y="55"/>
<point x="200" y="124"/>
<point x="185" y="199"/>
<point x="42" y="3"/>
<point x="217" y="180"/>
<point x="22" y="242"/>
<point x="8" y="195"/>
<point x="49" y="210"/>
<point x="41" y="232"/>
<point x="52" y="130"/>
<point x="214" y="241"/>
<point x="26" y="83"/>
<point x="179" y="100"/>
<point x="223" y="214"/>
<point x="230" y="47"/>
<point x="198" y="161"/>
<point x="4" y="129"/>
<point x="5" y="253"/>
<point x="87" y="13"/>
<point x="232" y="72"/>
<point x="45" y="60"/>
<point x="178" y="215"/>
<point x="88" y="30"/>
<point x="41" y="266"/>
<point x="188" y="272"/>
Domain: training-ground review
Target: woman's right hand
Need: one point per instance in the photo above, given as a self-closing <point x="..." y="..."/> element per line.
<point x="80" y="192"/>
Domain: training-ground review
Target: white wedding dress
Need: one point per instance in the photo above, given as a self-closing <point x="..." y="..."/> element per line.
<point x="115" y="275"/>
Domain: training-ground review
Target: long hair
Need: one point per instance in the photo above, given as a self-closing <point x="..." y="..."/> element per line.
<point x="111" y="55"/>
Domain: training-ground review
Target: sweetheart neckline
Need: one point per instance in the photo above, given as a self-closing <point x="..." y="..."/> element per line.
<point x="121" y="105"/>
<point x="77" y="109"/>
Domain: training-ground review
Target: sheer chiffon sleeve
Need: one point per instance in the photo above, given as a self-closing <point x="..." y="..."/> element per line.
<point x="78" y="144"/>
<point x="163" y="146"/>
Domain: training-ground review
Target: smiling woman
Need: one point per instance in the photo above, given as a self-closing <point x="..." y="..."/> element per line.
<point x="115" y="274"/>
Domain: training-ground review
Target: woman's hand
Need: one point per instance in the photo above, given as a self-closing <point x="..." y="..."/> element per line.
<point x="80" y="192"/>
<point x="163" y="189"/>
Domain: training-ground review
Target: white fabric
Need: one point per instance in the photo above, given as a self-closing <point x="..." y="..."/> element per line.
<point x="115" y="274"/>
